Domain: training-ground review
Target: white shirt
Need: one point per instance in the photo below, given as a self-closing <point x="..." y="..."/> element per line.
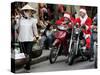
<point x="27" y="29"/>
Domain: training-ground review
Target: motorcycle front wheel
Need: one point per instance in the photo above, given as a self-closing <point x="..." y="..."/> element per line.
<point x="54" y="54"/>
<point x="95" y="55"/>
<point x="71" y="55"/>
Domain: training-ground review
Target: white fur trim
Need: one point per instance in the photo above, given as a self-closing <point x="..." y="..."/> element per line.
<point x="70" y="23"/>
<point x="83" y="20"/>
<point x="87" y="27"/>
<point x="87" y="35"/>
<point x="83" y="10"/>
<point x="67" y="15"/>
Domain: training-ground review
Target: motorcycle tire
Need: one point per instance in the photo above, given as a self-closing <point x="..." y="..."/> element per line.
<point x="95" y="55"/>
<point x="71" y="56"/>
<point x="53" y="57"/>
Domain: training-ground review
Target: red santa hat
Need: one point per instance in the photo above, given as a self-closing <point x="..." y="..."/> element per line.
<point x="83" y="10"/>
<point x="67" y="15"/>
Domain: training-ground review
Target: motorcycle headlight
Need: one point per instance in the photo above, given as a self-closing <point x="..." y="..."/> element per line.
<point x="76" y="30"/>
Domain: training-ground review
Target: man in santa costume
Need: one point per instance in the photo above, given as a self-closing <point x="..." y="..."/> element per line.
<point x="85" y="21"/>
<point x="68" y="22"/>
<point x="66" y="19"/>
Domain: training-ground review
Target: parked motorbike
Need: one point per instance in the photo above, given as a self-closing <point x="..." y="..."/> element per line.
<point x="60" y="44"/>
<point x="95" y="45"/>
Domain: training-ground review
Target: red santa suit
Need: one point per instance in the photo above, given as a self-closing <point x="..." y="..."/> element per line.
<point x="87" y="22"/>
<point x="62" y="21"/>
<point x="67" y="15"/>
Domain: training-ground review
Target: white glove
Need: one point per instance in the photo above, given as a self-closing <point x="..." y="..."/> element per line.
<point x="87" y="27"/>
<point x="87" y="35"/>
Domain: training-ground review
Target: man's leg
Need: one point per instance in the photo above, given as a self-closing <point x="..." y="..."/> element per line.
<point x="88" y="43"/>
<point x="42" y="41"/>
<point x="88" y="48"/>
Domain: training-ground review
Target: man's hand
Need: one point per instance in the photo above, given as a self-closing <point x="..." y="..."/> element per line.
<point x="63" y="22"/>
<point x="37" y="37"/>
<point x="34" y="38"/>
<point x="77" y="25"/>
<point x="84" y="27"/>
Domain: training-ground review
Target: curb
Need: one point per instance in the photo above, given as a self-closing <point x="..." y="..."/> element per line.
<point x="40" y="59"/>
<point x="43" y="57"/>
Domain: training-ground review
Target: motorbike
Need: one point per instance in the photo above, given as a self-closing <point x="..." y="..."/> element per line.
<point x="60" y="44"/>
<point x="95" y="45"/>
<point x="95" y="53"/>
<point x="77" y="44"/>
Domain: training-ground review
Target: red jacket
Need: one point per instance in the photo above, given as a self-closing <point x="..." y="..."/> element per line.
<point x="88" y="23"/>
<point x="59" y="22"/>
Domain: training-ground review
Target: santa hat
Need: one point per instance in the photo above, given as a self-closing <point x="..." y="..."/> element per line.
<point x="67" y="15"/>
<point x="83" y="10"/>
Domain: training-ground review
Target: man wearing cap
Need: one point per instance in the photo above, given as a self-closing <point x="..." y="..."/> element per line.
<point x="86" y="21"/>
<point x="27" y="30"/>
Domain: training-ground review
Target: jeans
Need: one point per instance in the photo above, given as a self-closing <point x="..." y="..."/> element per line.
<point x="93" y="37"/>
<point x="47" y="41"/>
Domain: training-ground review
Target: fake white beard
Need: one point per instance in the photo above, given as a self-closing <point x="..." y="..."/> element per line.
<point x="83" y="19"/>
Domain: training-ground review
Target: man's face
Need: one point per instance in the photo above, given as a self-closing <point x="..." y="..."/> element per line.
<point x="66" y="19"/>
<point x="82" y="14"/>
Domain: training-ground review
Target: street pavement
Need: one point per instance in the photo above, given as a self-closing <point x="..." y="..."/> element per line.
<point x="59" y="65"/>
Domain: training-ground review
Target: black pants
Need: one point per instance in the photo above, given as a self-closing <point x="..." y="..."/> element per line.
<point x="26" y="47"/>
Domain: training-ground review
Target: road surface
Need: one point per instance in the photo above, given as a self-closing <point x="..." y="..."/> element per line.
<point x="60" y="65"/>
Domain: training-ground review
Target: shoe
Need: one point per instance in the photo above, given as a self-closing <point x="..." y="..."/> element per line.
<point x="84" y="48"/>
<point x="27" y="71"/>
<point x="66" y="61"/>
<point x="27" y="67"/>
<point x="50" y="48"/>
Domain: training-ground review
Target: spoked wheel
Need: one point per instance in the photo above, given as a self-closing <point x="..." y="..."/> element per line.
<point x="71" y="55"/>
<point x="54" y="54"/>
<point x="95" y="48"/>
<point x="95" y="55"/>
